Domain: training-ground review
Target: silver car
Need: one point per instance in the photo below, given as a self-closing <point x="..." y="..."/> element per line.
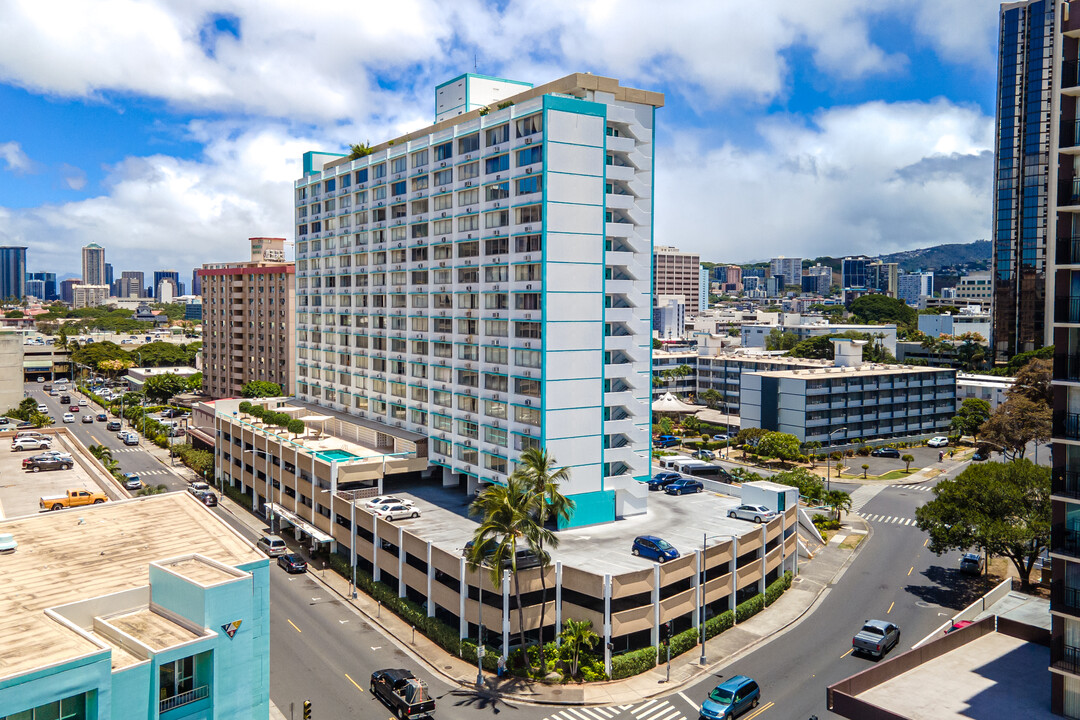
<point x="753" y="513"/>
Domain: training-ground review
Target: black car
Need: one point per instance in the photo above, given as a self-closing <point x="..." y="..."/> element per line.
<point x="523" y="558"/>
<point x="683" y="486"/>
<point x="113" y="425"/>
<point x="292" y="563"/>
<point x="102" y="417"/>
<point x="661" y="480"/>
<point x="889" y="452"/>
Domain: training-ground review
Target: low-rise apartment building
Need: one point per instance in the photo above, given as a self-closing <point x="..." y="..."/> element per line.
<point x="808" y="326"/>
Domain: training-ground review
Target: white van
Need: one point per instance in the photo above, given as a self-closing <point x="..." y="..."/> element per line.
<point x="272" y="545"/>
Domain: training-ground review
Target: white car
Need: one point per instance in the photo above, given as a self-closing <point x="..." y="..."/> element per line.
<point x="82" y="402"/>
<point x="31" y="443"/>
<point x="42" y="408"/>
<point x="939" y="441"/>
<point x="57" y="454"/>
<point x="395" y="512"/>
<point x="386" y="500"/>
<point x="754" y="513"/>
<point x="69" y="418"/>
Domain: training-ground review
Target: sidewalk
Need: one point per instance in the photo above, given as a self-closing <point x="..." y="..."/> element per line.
<point x="806" y="591"/>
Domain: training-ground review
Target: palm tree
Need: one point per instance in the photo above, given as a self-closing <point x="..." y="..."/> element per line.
<point x="908" y="459"/>
<point x="537" y="468"/>
<point x="508" y="523"/>
<point x="576" y="635"/>
<point x="838" y="501"/>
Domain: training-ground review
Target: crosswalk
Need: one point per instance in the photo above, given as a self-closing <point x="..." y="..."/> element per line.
<point x="126" y="450"/>
<point x="889" y="519"/>
<point x="864" y="494"/>
<point x="917" y="488"/>
<point x="151" y="473"/>
<point x="648" y="710"/>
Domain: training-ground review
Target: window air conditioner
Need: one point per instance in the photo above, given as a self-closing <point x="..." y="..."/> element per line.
<point x="468" y="183"/>
<point x="528" y="171"/>
<point x="528" y="141"/>
<point x="497" y="205"/>
<point x="442" y="164"/>
<point x="528" y="402"/>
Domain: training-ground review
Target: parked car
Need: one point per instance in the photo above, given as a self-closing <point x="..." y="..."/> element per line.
<point x="661" y="480"/>
<point x="939" y="441"/>
<point x="876" y="638"/>
<point x="31" y="443"/>
<point x="971" y="563"/>
<point x="396" y="511"/>
<point x="754" y="513"/>
<point x="889" y="452"/>
<point x="523" y="558"/>
<point x="72" y="498"/>
<point x="132" y="482"/>
<point x="705" y="455"/>
<point x="730" y="698"/>
<point x="204" y="492"/>
<point x="981" y="455"/>
<point x="5" y="420"/>
<point x="386" y="500"/>
<point x="102" y="417"/>
<point x="292" y="563"/>
<point x="113" y="425"/>
<point x="56" y="453"/>
<point x="37" y="463"/>
<point x="666" y="441"/>
<point x="683" y="486"/>
<point x="653" y="548"/>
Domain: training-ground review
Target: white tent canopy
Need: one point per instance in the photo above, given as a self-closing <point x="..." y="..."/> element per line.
<point x="668" y="403"/>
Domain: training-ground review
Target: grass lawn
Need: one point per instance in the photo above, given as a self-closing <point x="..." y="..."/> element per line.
<point x="891" y="475"/>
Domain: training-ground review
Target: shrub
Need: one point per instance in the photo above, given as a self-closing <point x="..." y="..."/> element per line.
<point x="633" y="663"/>
<point x="824" y="522"/>
<point x="296" y="426"/>
<point x="864" y="450"/>
<point x="245" y="407"/>
<point x="774" y="591"/>
<point x="682" y="642"/>
<point x="716" y="625"/>
<point x="750" y="608"/>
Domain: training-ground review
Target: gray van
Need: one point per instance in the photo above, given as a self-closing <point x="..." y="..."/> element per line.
<point x="272" y="545"/>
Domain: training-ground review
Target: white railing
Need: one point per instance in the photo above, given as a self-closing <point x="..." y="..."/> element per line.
<point x="199" y="693"/>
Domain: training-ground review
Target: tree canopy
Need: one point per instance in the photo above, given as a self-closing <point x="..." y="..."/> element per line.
<point x="780" y="340"/>
<point x="260" y="388"/>
<point x="970" y="417"/>
<point x="1033" y="381"/>
<point x="820" y="347"/>
<point x="1001" y="508"/>
<point x="1015" y="423"/>
<point x="782" y="446"/>
<point x="162" y="387"/>
<point x="876" y="309"/>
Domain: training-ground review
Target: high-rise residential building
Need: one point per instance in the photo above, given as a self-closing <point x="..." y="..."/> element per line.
<point x="703" y="288"/>
<point x="35" y="289"/>
<point x="1065" y="325"/>
<point x="67" y="290"/>
<point x="86" y="296"/>
<point x="669" y="316"/>
<point x="172" y="275"/>
<point x="196" y="282"/>
<point x="790" y="268"/>
<point x="132" y="286"/>
<point x="853" y="273"/>
<point x="471" y="92"/>
<point x="247" y="313"/>
<point x="166" y="291"/>
<point x="820" y="282"/>
<point x="912" y="286"/>
<point x="93" y="264"/>
<point x="48" y="281"/>
<point x="677" y="273"/>
<point x="729" y="277"/>
<point x="12" y="272"/>
<point x="108" y="274"/>
<point x="475" y="280"/>
<point x="881" y="277"/>
<point x="1022" y="170"/>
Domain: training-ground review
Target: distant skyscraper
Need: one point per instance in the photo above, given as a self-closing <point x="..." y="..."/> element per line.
<point x="912" y="286"/>
<point x="67" y="290"/>
<point x="881" y="277"/>
<point x="1026" y="59"/>
<point x="790" y="268"/>
<point x="677" y="273"/>
<point x="35" y="289"/>
<point x="820" y="280"/>
<point x="108" y="274"/>
<point x="160" y="275"/>
<point x="853" y="273"/>
<point x="132" y="284"/>
<point x="12" y="272"/>
<point x="48" y="280"/>
<point x="93" y="264"/>
<point x="196" y="282"/>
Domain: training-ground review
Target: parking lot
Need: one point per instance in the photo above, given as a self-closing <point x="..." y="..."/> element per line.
<point x="20" y="489"/>
<point x="924" y="457"/>
<point x="682" y="521"/>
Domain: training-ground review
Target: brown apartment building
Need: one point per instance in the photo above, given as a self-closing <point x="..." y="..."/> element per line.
<point x="678" y="273"/>
<point x="248" y="320"/>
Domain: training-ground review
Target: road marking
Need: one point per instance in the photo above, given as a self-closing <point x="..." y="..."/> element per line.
<point x="911" y="570"/>
<point x="343" y="621"/>
<point x="605" y="713"/>
<point x="760" y="710"/>
<point x="635" y="712"/>
<point x="890" y="607"/>
<point x="293" y="624"/>
<point x="925" y="542"/>
<point x="588" y="714"/>
<point x="94" y="438"/>
<point x="655" y="711"/>
<point x="847" y="653"/>
<point x="353" y="682"/>
<point x="683" y="696"/>
<point x="376" y="647"/>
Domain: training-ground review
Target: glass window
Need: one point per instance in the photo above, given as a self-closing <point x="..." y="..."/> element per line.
<point x="529" y="155"/>
<point x="528" y="185"/>
<point x="468" y="171"/>
<point x="443" y="177"/>
<point x="497" y="164"/>
<point x="498" y="135"/>
<point x="497" y="191"/>
<point x="419" y="158"/>
<point x="443" y="202"/>
<point x="469" y="144"/>
<point x="399" y="164"/>
<point x="177" y="677"/>
<point x="379" y="171"/>
<point x="530" y="125"/>
<point x="444" y="151"/>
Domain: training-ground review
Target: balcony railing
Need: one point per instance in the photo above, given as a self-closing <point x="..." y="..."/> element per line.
<point x="1067" y="425"/>
<point x="1065" y="541"/>
<point x="1068" y="250"/>
<point x="1067" y="309"/>
<point x="199" y="693"/>
<point x="1067" y="483"/>
<point x="1065" y="598"/>
<point x="1065" y="657"/>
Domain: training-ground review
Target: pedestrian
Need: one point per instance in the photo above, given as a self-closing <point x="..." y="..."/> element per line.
<point x="941" y="456"/>
<point x="502" y="665"/>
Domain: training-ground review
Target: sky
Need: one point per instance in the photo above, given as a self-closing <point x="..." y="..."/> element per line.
<point x="170" y="132"/>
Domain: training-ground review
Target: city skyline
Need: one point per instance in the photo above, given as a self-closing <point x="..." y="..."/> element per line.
<point x="845" y="106"/>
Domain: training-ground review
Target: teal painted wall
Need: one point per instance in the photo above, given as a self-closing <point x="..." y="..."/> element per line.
<point x="88" y="675"/>
<point x="591" y="509"/>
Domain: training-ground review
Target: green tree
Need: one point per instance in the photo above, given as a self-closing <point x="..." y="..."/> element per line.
<point x="114" y="367"/>
<point x="810" y="486"/>
<point x="25" y="409"/>
<point x="359" y="150"/>
<point x="1002" y="508"/>
<point x="98" y="352"/>
<point x="782" y="446"/>
<point x="780" y="340"/>
<point x="712" y="398"/>
<point x="296" y="426"/>
<point x="839" y="501"/>
<point x="1033" y="382"/>
<point x="656" y="344"/>
<point x="908" y="459"/>
<point x="153" y="490"/>
<point x="970" y="417"/>
<point x="508" y="522"/>
<point x="194" y="382"/>
<point x="865" y="467"/>
<point x="1015" y="423"/>
<point x="665" y="426"/>
<point x="577" y="635"/>
<point x="41" y="420"/>
<point x="14" y="314"/>
<point x="260" y="389"/>
<point x="160" y="388"/>
<point x="878" y="309"/>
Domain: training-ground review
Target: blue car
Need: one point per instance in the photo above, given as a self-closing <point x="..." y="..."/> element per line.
<point x="731" y="698"/>
<point x="666" y="441"/>
<point x="682" y="486"/>
<point x="661" y="480"/>
<point x="653" y="548"/>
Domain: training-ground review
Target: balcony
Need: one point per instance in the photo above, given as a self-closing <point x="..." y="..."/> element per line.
<point x="1065" y="657"/>
<point x="1067" y="425"/>
<point x="1064" y="541"/>
<point x="1067" y="367"/>
<point x="185" y="698"/>
<point x="1068" y="251"/>
<point x="1068" y="192"/>
<point x="1067" y="310"/>
<point x="1065" y="599"/>
<point x="1070" y="136"/>
<point x="1069" y="76"/>
<point x="1066" y="483"/>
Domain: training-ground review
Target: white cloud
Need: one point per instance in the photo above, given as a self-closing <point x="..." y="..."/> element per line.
<point x="14" y="158"/>
<point x="72" y="176"/>
<point x="871" y="178"/>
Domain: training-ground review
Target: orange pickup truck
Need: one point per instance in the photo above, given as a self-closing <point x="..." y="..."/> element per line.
<point x="73" y="498"/>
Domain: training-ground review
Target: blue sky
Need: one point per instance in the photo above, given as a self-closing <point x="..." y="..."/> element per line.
<point x="169" y="132"/>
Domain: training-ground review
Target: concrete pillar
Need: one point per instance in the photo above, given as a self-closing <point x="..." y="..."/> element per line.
<point x="558" y="603"/>
<point x="506" y="612"/>
<point x="376" y="545"/>
<point x="607" y="622"/>
<point x="761" y="582"/>
<point x="699" y="596"/>
<point x="733" y="568"/>
<point x="656" y="605"/>
<point x="449" y="479"/>
<point x="463" y="592"/>
<point x="430" y="579"/>
<point x="400" y="564"/>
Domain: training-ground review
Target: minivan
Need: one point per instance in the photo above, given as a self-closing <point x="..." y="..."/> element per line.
<point x="731" y="698"/>
<point x="272" y="545"/>
<point x="666" y="441"/>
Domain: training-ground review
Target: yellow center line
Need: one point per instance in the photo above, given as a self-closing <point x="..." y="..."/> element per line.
<point x="353" y="682"/>
<point x="847" y="653"/>
<point x="760" y="710"/>
<point x="910" y="571"/>
<point x="886" y="612"/>
<point x="926" y="542"/>
<point x="293" y="624"/>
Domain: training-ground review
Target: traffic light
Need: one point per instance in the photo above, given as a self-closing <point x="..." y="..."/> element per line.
<point x="665" y="631"/>
<point x="307" y="710"/>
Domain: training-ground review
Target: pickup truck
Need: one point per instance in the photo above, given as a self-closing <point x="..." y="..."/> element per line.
<point x="405" y="694"/>
<point x="876" y="638"/>
<point x="73" y="498"/>
<point x="37" y="463"/>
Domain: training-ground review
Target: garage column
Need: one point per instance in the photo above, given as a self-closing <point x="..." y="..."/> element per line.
<point x="400" y="563"/>
<point x="733" y="568"/>
<point x="506" y="614"/>
<point x="463" y="592"/>
<point x="558" y="603"/>
<point x="607" y="623"/>
<point x="764" y="561"/>
<point x="430" y="578"/>
<point x="656" y="605"/>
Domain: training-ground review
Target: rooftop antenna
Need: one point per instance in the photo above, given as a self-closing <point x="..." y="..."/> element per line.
<point x="474" y="62"/>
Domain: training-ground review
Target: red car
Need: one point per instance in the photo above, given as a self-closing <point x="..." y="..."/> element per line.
<point x="959" y="625"/>
<point x="73" y="409"/>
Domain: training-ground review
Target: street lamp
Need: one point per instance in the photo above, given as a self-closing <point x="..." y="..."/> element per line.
<point x="828" y="457"/>
<point x="704" y="576"/>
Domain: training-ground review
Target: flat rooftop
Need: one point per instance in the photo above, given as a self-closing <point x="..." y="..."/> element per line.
<point x="72" y="555"/>
<point x="866" y="370"/>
